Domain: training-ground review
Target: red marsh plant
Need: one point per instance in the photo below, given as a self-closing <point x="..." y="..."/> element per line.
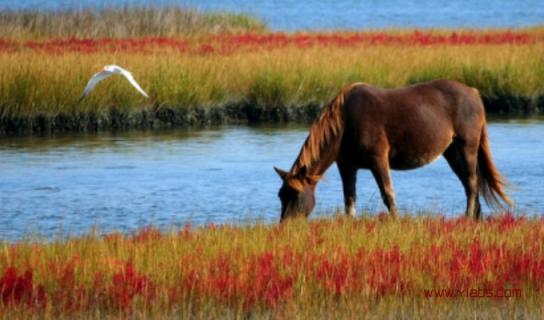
<point x="268" y="269"/>
<point x="229" y="43"/>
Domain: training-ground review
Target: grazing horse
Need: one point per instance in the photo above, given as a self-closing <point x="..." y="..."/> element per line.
<point x="403" y="128"/>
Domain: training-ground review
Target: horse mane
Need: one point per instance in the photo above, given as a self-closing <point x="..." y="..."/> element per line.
<point x="327" y="127"/>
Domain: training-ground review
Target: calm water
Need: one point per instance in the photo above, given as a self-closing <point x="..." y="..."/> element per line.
<point x="124" y="181"/>
<point x="347" y="14"/>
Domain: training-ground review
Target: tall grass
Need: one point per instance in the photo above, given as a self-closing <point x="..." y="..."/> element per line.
<point x="122" y="22"/>
<point x="366" y="268"/>
<point x="194" y="80"/>
<point x="270" y="78"/>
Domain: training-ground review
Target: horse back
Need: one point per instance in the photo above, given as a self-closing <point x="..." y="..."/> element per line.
<point x="413" y="124"/>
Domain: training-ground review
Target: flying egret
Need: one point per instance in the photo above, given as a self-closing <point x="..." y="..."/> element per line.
<point x="108" y="71"/>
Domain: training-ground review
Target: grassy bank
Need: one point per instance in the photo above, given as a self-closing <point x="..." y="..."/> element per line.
<point x="365" y="268"/>
<point x="233" y="78"/>
<point x="122" y="22"/>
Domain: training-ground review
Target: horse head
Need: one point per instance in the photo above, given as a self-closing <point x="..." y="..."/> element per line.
<point x="297" y="193"/>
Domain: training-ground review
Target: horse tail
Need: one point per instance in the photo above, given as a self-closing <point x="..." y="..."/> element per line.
<point x="491" y="183"/>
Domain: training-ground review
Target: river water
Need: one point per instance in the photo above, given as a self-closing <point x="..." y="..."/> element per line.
<point x="343" y="14"/>
<point x="58" y="184"/>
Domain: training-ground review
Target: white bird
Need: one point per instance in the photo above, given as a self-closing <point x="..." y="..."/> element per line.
<point x="108" y="71"/>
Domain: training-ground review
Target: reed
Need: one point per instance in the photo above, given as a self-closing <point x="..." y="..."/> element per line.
<point x="122" y="22"/>
<point x="365" y="268"/>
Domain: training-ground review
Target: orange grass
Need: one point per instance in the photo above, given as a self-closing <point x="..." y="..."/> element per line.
<point x="363" y="268"/>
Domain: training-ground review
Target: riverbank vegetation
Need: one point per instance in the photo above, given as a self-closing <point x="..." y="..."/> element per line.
<point x="417" y="267"/>
<point x="249" y="76"/>
<point x="122" y="22"/>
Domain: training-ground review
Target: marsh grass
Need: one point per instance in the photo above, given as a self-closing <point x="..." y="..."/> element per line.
<point x="39" y="89"/>
<point x="122" y="22"/>
<point x="370" y="267"/>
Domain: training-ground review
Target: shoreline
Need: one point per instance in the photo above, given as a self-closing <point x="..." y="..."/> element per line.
<point x="240" y="113"/>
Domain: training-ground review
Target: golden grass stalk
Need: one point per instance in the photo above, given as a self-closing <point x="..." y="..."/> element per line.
<point x="36" y="83"/>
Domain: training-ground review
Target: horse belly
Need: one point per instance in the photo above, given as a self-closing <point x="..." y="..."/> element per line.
<point x="418" y="151"/>
<point x="412" y="162"/>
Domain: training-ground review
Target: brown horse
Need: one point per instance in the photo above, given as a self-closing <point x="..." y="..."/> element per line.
<point x="404" y="128"/>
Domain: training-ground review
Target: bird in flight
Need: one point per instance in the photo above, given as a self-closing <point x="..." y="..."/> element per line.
<point x="108" y="71"/>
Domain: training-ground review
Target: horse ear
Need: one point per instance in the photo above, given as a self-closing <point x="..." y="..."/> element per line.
<point x="283" y="174"/>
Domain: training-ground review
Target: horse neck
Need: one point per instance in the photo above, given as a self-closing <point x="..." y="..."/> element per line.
<point x="327" y="158"/>
<point x="322" y="145"/>
<point x="318" y="153"/>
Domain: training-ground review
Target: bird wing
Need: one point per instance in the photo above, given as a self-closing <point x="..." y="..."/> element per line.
<point x="95" y="79"/>
<point x="133" y="82"/>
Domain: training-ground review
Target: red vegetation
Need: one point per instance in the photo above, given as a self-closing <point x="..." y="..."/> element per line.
<point x="284" y="272"/>
<point x="128" y="284"/>
<point x="230" y="43"/>
<point x="19" y="289"/>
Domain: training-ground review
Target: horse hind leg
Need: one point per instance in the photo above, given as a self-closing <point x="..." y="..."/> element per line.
<point x="380" y="171"/>
<point x="462" y="158"/>
<point x="349" y="179"/>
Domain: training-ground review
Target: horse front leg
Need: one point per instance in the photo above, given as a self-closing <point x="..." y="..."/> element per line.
<point x="380" y="171"/>
<point x="349" y="180"/>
